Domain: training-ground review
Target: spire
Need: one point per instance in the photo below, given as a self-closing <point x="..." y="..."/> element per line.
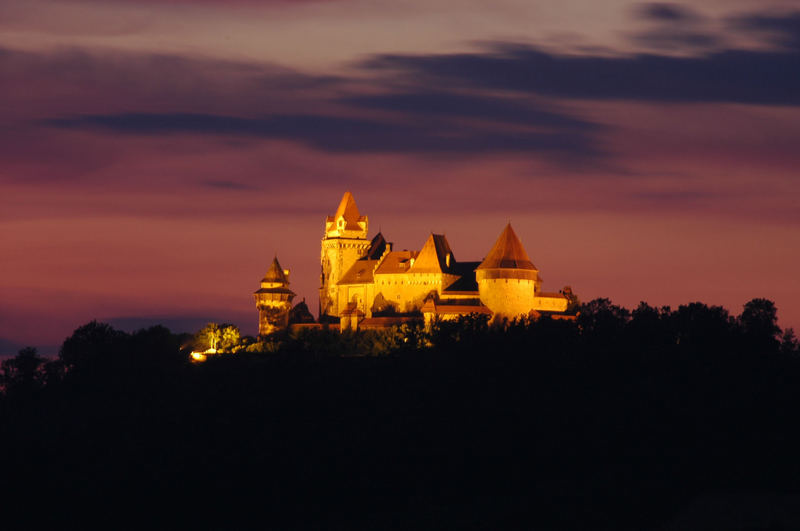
<point x="275" y="273"/>
<point x="349" y="211"/>
<point x="507" y="253"/>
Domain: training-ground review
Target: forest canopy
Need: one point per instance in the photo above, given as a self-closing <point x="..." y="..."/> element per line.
<point x="676" y="400"/>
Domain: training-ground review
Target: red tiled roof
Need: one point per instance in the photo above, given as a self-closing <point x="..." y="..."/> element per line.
<point x="396" y="262"/>
<point x="507" y="253"/>
<point x="275" y="273"/>
<point x="360" y="273"/>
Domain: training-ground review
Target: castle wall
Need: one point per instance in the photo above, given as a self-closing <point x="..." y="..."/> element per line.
<point x="550" y="304"/>
<point x="509" y="297"/>
<point x="407" y="292"/>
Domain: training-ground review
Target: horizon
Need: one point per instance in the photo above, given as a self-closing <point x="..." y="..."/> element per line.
<point x="157" y="155"/>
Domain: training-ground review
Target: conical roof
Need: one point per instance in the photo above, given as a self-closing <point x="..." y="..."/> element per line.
<point x="349" y="211"/>
<point x="432" y="257"/>
<point x="507" y="253"/>
<point x="275" y="273"/>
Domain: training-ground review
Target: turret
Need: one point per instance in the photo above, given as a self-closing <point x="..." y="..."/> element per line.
<point x="347" y="222"/>
<point x="345" y="241"/>
<point x="274" y="300"/>
<point x="507" y="279"/>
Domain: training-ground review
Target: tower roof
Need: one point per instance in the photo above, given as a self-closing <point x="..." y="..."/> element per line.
<point x="507" y="253"/>
<point x="349" y="211"/>
<point x="376" y="248"/>
<point x="432" y="257"/>
<point x="275" y="273"/>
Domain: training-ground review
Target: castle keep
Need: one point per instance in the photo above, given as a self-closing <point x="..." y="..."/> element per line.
<point x="364" y="283"/>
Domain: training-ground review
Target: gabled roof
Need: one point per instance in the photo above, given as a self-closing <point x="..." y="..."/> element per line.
<point x="432" y="257"/>
<point x="349" y="211"/>
<point x="376" y="248"/>
<point x="360" y="273"/>
<point x="275" y="273"/>
<point x="507" y="253"/>
<point x="396" y="262"/>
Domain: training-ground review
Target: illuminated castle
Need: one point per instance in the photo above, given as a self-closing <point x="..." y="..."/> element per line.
<point x="364" y="283"/>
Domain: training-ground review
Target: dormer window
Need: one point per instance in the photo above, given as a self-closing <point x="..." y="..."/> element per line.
<point x="340" y="223"/>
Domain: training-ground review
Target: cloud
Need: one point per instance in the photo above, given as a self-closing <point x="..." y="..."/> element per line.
<point x="77" y="80"/>
<point x="666" y="12"/>
<point x="228" y="185"/>
<point x="671" y="39"/>
<point x="782" y="28"/>
<point x="741" y="76"/>
<point x="344" y="133"/>
<point x="156" y="94"/>
<point x="450" y="104"/>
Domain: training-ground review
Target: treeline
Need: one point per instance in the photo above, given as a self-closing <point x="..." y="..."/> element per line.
<point x="615" y="420"/>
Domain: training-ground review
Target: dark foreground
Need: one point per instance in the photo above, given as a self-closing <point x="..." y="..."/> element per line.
<point x="613" y="425"/>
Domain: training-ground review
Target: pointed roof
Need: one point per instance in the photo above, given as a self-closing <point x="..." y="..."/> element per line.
<point x="275" y="273"/>
<point x="349" y="211"/>
<point x="507" y="253"/>
<point x="432" y="257"/>
<point x="376" y="248"/>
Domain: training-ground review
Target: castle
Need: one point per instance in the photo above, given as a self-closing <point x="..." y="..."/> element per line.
<point x="366" y="284"/>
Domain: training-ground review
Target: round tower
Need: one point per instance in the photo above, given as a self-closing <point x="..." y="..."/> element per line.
<point x="274" y="300"/>
<point x="507" y="279"/>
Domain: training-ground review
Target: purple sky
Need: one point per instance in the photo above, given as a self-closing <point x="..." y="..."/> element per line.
<point x="155" y="155"/>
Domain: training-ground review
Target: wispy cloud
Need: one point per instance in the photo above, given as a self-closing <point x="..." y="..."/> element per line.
<point x="742" y="76"/>
<point x="344" y="134"/>
<point x="781" y="28"/>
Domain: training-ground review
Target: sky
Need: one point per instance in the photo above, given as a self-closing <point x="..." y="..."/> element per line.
<point x="156" y="155"/>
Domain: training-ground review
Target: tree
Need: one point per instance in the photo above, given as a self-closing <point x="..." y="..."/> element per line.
<point x="23" y="373"/>
<point x="92" y="345"/>
<point x="759" y="322"/>
<point x="229" y="337"/>
<point x="602" y="318"/>
<point x="221" y="337"/>
<point x="700" y="326"/>
<point x="789" y="343"/>
<point x="157" y="347"/>
<point x="208" y="337"/>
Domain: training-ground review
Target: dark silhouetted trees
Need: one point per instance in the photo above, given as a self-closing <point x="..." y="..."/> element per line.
<point x="24" y="373"/>
<point x="614" y="420"/>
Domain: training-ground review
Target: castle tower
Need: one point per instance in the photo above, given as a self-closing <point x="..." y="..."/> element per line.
<point x="274" y="300"/>
<point x="345" y="241"/>
<point x="507" y="279"/>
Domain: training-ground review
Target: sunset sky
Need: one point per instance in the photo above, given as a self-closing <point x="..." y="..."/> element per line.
<point x="155" y="155"/>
